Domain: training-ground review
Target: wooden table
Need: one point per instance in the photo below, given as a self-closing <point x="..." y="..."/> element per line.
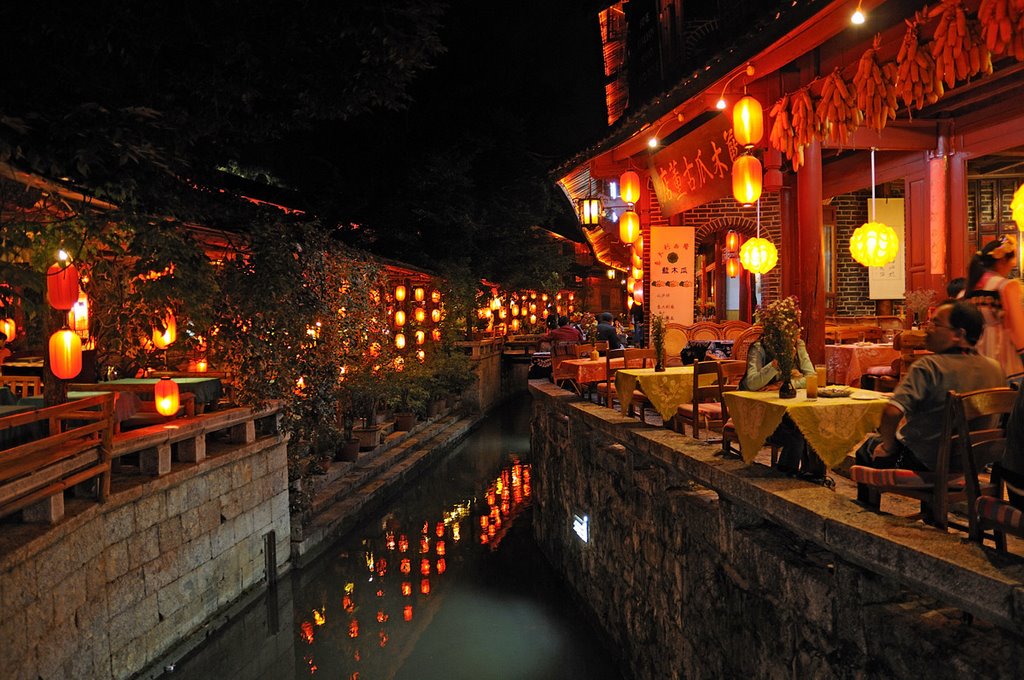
<point x="586" y="371"/>
<point x="207" y="391"/>
<point x="126" y="404"/>
<point x="832" y="427"/>
<point x="846" y="363"/>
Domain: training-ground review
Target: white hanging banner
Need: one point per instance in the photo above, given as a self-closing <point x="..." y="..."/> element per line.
<point x="889" y="282"/>
<point x="671" y="275"/>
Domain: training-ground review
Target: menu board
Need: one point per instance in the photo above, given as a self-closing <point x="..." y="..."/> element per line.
<point x="671" y="275"/>
<point x="889" y="282"/>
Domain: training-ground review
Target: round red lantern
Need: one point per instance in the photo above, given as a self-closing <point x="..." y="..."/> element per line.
<point x="629" y="186"/>
<point x="8" y="328"/>
<point x="62" y="284"/>
<point x="166" y="396"/>
<point x="748" y="121"/>
<point x="746" y="180"/>
<point x="65" y="354"/>
<point x="629" y="227"/>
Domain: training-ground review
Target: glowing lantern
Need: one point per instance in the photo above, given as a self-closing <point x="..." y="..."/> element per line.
<point x="638" y="262"/>
<point x="748" y="121"/>
<point x="421" y="337"/>
<point x="166" y="395"/>
<point x="874" y="244"/>
<point x="590" y="211"/>
<point x="544" y="297"/>
<point x="1017" y="207"/>
<point x="198" y="366"/>
<point x="533" y="319"/>
<point x="418" y="294"/>
<point x="638" y="245"/>
<point x="8" y="328"/>
<point x="629" y="302"/>
<point x="611" y="274"/>
<point x="435" y="296"/>
<point x="515" y="325"/>
<point x="425" y="586"/>
<point x="495" y="304"/>
<point x="759" y="255"/>
<point x="629" y="227"/>
<point x="163" y="339"/>
<point x="65" y="354"/>
<point x="629" y="186"/>
<point x="420" y="314"/>
<point x="78" y="317"/>
<point x="638" y="274"/>
<point x="421" y="356"/>
<point x="732" y="267"/>
<point x="62" y="283"/>
<point x="400" y="293"/>
<point x="732" y="241"/>
<point x="435" y="335"/>
<point x="746" y="180"/>
<point x="399" y="318"/>
<point x="630" y="285"/>
<point x="400" y="340"/>
<point x="638" y="296"/>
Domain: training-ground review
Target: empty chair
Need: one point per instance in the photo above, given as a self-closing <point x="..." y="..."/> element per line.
<point x="707" y="408"/>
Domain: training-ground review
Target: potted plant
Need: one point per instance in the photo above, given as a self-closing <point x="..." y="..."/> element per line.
<point x="918" y="302"/>
<point x="408" y="394"/>
<point x="658" y="341"/>
<point x="781" y="323"/>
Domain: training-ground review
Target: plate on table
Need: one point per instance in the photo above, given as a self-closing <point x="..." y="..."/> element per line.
<point x="834" y="392"/>
<point x="866" y="396"/>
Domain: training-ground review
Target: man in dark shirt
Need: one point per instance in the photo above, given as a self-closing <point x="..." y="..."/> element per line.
<point x="606" y="331"/>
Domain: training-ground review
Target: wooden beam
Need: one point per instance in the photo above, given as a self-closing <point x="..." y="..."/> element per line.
<point x="854" y="172"/>
<point x="897" y="136"/>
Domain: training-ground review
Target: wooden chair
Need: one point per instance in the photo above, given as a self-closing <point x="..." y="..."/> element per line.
<point x="635" y="357"/>
<point x="989" y="516"/>
<point x="732" y="330"/>
<point x="911" y="346"/>
<point x="708" y="406"/>
<point x="560" y="351"/>
<point x="703" y="331"/>
<point x="938" y="488"/>
<point x="675" y="340"/>
<point x="583" y="350"/>
<point x="606" y="389"/>
<point x="743" y="343"/>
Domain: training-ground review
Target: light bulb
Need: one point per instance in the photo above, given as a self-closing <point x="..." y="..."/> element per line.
<point x="720" y="104"/>
<point x="858" y="16"/>
<point x="652" y="142"/>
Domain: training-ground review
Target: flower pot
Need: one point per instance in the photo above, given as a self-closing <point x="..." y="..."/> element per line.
<point x="435" y="408"/>
<point x="349" y="450"/>
<point x="369" y="437"/>
<point x="404" y="421"/>
<point x="786" y="390"/>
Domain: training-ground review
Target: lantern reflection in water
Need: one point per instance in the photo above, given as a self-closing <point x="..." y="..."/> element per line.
<point x="406" y="589"/>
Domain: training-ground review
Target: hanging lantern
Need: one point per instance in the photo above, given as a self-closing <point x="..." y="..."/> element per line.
<point x="495" y="304"/>
<point x="62" y="283"/>
<point x="435" y="315"/>
<point x="638" y="245"/>
<point x="399" y="318"/>
<point x="515" y="325"/>
<point x="638" y="262"/>
<point x="163" y="339"/>
<point x="533" y="319"/>
<point x="874" y="244"/>
<point x="590" y="211"/>
<point x="421" y="356"/>
<point x="638" y="295"/>
<point x="732" y="267"/>
<point x="421" y="337"/>
<point x="65" y="354"/>
<point x="630" y="284"/>
<point x="759" y="256"/>
<point x="629" y="302"/>
<point x="418" y="294"/>
<point x="400" y="340"/>
<point x="435" y="335"/>
<point x="199" y="366"/>
<point x="400" y="293"/>
<point x="8" y="328"/>
<point x="420" y="315"/>
<point x="746" y="180"/>
<point x="544" y="297"/>
<point x="610" y="274"/>
<point x="732" y="241"/>
<point x="435" y="296"/>
<point x="629" y="186"/>
<point x="629" y="227"/>
<point x="166" y="396"/>
<point x="78" y="317"/>
<point x="748" y="121"/>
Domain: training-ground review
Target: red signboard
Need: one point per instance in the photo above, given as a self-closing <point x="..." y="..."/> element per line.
<point x="697" y="168"/>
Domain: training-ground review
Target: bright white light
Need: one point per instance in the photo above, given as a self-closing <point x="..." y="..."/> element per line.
<point x="720" y="104"/>
<point x="652" y="142"/>
<point x="581" y="525"/>
<point x="613" y="216"/>
<point x="613" y="189"/>
<point x="858" y="17"/>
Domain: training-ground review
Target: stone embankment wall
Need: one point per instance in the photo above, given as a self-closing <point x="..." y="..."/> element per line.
<point x="485" y="356"/>
<point x="698" y="567"/>
<point x="114" y="586"/>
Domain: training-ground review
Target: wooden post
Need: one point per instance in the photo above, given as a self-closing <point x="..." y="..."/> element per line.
<point x="810" y="254"/>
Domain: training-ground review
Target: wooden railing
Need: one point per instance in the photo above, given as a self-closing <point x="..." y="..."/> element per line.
<point x="22" y="385"/>
<point x="75" y="446"/>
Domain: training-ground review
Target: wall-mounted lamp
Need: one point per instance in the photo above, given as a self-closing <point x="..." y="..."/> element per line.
<point x="858" y="15"/>
<point x="749" y="71"/>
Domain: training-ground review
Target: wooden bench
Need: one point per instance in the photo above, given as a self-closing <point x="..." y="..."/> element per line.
<point x="77" y="447"/>
<point x="22" y="385"/>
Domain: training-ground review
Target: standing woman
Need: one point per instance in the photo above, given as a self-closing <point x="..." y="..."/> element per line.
<point x="999" y="299"/>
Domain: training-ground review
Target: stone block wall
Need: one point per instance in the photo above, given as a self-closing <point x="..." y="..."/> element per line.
<point x="112" y="588"/>
<point x="486" y="360"/>
<point x="688" y="583"/>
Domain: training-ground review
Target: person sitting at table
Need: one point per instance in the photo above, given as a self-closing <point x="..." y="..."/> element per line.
<point x="606" y="331"/>
<point x="565" y="332"/>
<point x="763" y="374"/>
<point x="920" y="398"/>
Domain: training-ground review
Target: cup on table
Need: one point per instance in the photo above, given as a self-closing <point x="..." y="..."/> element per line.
<point x="812" y="386"/>
<point x="819" y="369"/>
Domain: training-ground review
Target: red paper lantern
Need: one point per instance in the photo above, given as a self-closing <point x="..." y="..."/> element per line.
<point x="8" y="328"/>
<point x="629" y="187"/>
<point x="65" y="354"/>
<point x="629" y="227"/>
<point x="166" y="395"/>
<point x="62" y="285"/>
<point x="732" y="241"/>
<point x="748" y="121"/>
<point x="732" y="267"/>
<point x="746" y="180"/>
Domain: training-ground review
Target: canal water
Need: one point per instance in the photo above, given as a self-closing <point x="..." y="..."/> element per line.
<point x="447" y="583"/>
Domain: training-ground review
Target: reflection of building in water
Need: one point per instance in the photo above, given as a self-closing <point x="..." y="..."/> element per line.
<point x="382" y="582"/>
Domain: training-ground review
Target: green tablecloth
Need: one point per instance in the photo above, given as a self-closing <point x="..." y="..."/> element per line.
<point x="206" y="390"/>
<point x="126" y="404"/>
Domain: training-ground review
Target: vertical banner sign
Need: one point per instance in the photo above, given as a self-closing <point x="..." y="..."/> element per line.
<point x="672" y="263"/>
<point x="889" y="282"/>
<point x="697" y="168"/>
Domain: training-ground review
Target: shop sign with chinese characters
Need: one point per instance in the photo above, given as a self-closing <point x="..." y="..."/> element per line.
<point x="697" y="168"/>
<point x="672" y="261"/>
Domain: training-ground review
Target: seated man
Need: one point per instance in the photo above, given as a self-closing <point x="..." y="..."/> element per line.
<point x="921" y="397"/>
<point x="565" y="332"/>
<point x="762" y="374"/>
<point x="606" y="331"/>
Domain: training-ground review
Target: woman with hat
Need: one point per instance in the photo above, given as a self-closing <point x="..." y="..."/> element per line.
<point x="999" y="299"/>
